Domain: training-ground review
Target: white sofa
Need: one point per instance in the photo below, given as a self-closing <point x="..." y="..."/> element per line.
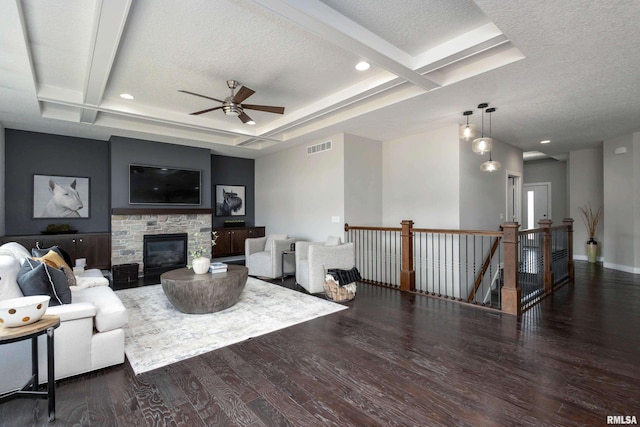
<point x="313" y="259"/>
<point x="90" y="335"/>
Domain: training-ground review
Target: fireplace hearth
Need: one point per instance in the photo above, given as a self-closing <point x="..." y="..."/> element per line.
<point x="164" y="252"/>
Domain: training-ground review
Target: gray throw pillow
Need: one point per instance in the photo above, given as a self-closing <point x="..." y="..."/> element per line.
<point x="37" y="278"/>
<point x="39" y="252"/>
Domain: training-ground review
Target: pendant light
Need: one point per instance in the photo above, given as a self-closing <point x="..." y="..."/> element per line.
<point x="468" y="130"/>
<point x="483" y="144"/>
<point x="491" y="165"/>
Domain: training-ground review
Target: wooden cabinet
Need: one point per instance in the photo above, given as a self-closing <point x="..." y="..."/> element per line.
<point x="95" y="247"/>
<point x="231" y="240"/>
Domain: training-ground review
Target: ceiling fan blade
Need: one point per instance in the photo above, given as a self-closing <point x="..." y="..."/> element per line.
<point x="245" y="118"/>
<point x="205" y="111"/>
<point x="267" y="108"/>
<point x="243" y="94"/>
<point x="201" y="96"/>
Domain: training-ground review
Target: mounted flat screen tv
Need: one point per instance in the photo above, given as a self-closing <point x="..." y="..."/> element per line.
<point x="163" y="185"/>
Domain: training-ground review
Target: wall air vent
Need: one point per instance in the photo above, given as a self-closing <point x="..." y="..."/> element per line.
<point x="313" y="149"/>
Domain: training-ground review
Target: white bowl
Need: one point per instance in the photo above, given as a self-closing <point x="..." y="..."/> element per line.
<point x="23" y="311"/>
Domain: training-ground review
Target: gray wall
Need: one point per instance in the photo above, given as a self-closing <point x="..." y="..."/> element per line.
<point x="29" y="153"/>
<point x="235" y="171"/>
<point x="585" y="187"/>
<point x="555" y="172"/>
<point x="126" y="150"/>
<point x="2" y="163"/>
<point x="619" y="204"/>
<point x="483" y="195"/>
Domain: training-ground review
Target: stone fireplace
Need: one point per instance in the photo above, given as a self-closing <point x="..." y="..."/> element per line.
<point x="128" y="231"/>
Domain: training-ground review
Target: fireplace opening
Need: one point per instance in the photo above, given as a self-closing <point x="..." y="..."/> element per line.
<point x="164" y="252"/>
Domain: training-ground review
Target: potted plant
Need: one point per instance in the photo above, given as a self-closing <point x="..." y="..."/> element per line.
<point x="591" y="219"/>
<point x="200" y="260"/>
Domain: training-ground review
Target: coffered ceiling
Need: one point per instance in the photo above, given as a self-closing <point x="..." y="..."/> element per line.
<point x="565" y="71"/>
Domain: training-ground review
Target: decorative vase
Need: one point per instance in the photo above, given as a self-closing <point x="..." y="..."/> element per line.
<point x="592" y="250"/>
<point x="200" y="265"/>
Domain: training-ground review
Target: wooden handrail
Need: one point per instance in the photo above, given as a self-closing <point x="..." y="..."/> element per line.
<point x="485" y="266"/>
<point x="348" y="227"/>
<point x="448" y="231"/>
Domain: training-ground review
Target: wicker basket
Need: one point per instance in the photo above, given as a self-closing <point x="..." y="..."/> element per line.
<point x="337" y="293"/>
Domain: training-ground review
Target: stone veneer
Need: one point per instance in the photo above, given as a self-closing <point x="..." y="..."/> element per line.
<point x="127" y="233"/>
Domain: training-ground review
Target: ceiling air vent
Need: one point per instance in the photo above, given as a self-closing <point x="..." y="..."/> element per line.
<point x="313" y="149"/>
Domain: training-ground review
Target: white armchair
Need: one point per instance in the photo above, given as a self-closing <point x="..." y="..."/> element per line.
<point x="263" y="255"/>
<point x="313" y="259"/>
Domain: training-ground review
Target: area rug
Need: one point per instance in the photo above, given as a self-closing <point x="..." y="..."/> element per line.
<point x="157" y="334"/>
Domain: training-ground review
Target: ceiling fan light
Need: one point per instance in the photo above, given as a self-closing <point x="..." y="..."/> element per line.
<point x="490" y="166"/>
<point x="231" y="110"/>
<point x="482" y="145"/>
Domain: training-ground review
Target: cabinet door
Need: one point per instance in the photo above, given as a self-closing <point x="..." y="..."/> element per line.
<point x="237" y="240"/>
<point x="223" y="244"/>
<point x="96" y="248"/>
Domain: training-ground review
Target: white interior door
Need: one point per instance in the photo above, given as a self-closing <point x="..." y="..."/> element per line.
<point x="536" y="204"/>
<point x="513" y="197"/>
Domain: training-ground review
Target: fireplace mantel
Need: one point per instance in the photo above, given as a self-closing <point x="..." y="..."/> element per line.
<point x="160" y="211"/>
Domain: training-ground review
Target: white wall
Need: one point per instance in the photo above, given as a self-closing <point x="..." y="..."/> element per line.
<point x="421" y="179"/>
<point x="586" y="183"/>
<point x="298" y="193"/>
<point x="483" y="195"/>
<point x="362" y="181"/>
<point x="2" y="180"/>
<point x="619" y="203"/>
<point x="555" y="172"/>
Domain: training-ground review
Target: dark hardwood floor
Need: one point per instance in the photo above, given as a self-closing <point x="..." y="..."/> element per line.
<point x="391" y="359"/>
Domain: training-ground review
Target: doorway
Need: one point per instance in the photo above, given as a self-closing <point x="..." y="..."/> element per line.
<point x="536" y="204"/>
<point x="514" y="198"/>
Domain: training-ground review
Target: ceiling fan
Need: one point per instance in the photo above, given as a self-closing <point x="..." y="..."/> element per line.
<point x="233" y="106"/>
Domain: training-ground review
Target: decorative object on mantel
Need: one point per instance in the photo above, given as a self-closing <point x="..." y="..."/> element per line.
<point x="59" y="229"/>
<point x="199" y="261"/>
<point x="591" y="220"/>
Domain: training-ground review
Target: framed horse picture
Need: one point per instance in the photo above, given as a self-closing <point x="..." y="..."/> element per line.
<point x="230" y="200"/>
<point x="60" y="196"/>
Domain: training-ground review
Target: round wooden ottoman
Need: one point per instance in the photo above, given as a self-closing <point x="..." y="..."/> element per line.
<point x="204" y="293"/>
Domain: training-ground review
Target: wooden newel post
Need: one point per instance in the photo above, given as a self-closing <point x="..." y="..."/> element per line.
<point x="568" y="222"/>
<point x="511" y="292"/>
<point x="547" y="261"/>
<point x="407" y="273"/>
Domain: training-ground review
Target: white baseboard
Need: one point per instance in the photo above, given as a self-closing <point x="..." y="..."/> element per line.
<point x="625" y="268"/>
<point x="584" y="258"/>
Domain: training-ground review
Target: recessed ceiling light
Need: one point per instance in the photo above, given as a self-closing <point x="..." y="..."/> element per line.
<point x="126" y="96"/>
<point x="546" y="141"/>
<point x="251" y="122"/>
<point x="362" y="66"/>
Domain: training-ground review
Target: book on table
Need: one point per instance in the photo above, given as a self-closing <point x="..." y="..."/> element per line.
<point x="217" y="267"/>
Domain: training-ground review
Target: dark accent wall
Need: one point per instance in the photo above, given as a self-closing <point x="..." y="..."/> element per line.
<point x="127" y="150"/>
<point x="29" y="153"/>
<point x="234" y="171"/>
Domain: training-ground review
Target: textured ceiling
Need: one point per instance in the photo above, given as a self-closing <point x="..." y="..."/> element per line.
<point x="565" y="71"/>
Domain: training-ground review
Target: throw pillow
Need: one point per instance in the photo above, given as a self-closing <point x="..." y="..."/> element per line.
<point x="37" y="278"/>
<point x="53" y="259"/>
<point x="9" y="267"/>
<point x="273" y="237"/>
<point x="38" y="252"/>
<point x="332" y="241"/>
